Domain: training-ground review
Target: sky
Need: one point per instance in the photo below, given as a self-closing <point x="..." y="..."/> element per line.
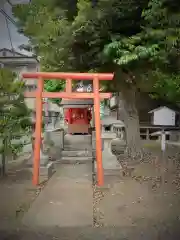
<point x="16" y="38"/>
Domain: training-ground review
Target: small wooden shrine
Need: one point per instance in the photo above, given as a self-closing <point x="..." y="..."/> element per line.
<point x="78" y="112"/>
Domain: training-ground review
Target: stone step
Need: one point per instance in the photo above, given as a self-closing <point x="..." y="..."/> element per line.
<point x="77" y="142"/>
<point x="75" y="160"/>
<point x="77" y="147"/>
<point x="77" y="138"/>
<point x="76" y="153"/>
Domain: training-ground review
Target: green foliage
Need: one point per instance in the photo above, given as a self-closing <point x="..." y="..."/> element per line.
<point x="138" y="38"/>
<point x="74" y="40"/>
<point x="167" y="86"/>
<point x="14" y="115"/>
<point x="154" y="50"/>
<point x="55" y="86"/>
<point x="47" y="28"/>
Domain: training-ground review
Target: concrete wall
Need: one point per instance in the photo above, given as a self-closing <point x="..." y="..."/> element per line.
<point x="21" y="64"/>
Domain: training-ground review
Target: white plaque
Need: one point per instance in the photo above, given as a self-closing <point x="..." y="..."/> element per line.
<point x="163" y="116"/>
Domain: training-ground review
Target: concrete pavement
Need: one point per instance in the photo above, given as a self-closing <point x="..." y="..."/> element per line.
<point x="66" y="201"/>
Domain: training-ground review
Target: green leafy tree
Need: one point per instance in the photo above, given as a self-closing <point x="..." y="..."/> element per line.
<point x="137" y="39"/>
<point x="14" y="115"/>
<point x="75" y="42"/>
<point x="150" y="58"/>
<point x="45" y="23"/>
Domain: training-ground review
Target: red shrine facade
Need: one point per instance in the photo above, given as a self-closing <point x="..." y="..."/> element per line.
<point x="78" y="115"/>
<point x="78" y="120"/>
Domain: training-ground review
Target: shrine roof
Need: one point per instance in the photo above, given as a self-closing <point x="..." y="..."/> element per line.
<point x="173" y="109"/>
<point x="67" y="103"/>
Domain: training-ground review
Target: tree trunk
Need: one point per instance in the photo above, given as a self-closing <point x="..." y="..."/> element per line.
<point x="131" y="120"/>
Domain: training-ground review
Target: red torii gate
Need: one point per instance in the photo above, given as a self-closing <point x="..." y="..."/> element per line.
<point x="68" y="94"/>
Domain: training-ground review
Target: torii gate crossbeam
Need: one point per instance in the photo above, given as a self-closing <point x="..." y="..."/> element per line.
<point x="39" y="94"/>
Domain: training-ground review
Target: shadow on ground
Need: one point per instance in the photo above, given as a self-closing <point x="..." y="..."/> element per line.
<point x="131" y="233"/>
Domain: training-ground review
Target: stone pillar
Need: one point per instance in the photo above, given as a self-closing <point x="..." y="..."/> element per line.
<point x="118" y="146"/>
<point x="56" y="144"/>
<point x="43" y="158"/>
<point x="54" y="121"/>
<point x="46" y="168"/>
<point x="57" y="136"/>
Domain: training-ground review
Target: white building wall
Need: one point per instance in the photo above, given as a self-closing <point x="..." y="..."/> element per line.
<point x="10" y="38"/>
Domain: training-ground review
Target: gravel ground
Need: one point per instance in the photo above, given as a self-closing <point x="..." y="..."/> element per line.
<point x="147" y="201"/>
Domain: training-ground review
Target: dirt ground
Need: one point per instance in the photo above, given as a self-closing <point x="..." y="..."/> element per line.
<point x="150" y="197"/>
<point x="16" y="194"/>
<point x="148" y="200"/>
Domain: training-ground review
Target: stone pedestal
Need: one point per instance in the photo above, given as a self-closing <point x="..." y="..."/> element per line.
<point x="46" y="168"/>
<point x="110" y="164"/>
<point x="44" y="159"/>
<point x="57" y="138"/>
<point x="57" y="135"/>
<point x="118" y="146"/>
<point x="46" y="172"/>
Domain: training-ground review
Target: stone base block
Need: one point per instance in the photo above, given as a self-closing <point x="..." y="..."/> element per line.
<point x="45" y="172"/>
<point x="44" y="160"/>
<point x="80" y="153"/>
<point x="54" y="153"/>
<point x="110" y="172"/>
<point x="75" y="160"/>
<point x="118" y="146"/>
<point x="109" y="181"/>
<point x="115" y="170"/>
